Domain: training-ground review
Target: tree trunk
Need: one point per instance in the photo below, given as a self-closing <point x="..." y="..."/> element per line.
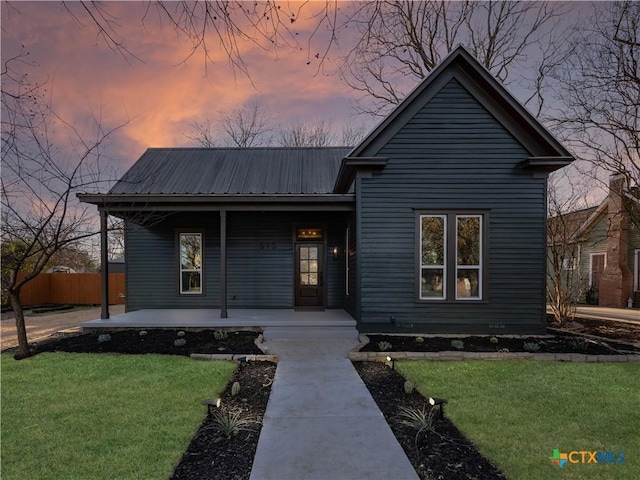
<point x="23" y="343"/>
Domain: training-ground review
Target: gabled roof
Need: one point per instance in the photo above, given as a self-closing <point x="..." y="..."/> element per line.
<point x="547" y="153"/>
<point x="232" y="171"/>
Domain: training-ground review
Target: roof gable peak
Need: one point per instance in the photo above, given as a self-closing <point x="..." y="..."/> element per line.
<point x="485" y="88"/>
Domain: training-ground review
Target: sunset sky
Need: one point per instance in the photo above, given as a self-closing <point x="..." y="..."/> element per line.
<point x="161" y="92"/>
<point x="159" y="89"/>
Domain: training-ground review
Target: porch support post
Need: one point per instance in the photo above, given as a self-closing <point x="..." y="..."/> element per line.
<point x="223" y="264"/>
<point x="104" y="266"/>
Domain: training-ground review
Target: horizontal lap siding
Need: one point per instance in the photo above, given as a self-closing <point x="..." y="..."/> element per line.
<point x="152" y="263"/>
<point x="453" y="155"/>
<point x="260" y="271"/>
<point x="259" y="260"/>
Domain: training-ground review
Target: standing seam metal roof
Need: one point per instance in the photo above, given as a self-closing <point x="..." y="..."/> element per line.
<point x="243" y="171"/>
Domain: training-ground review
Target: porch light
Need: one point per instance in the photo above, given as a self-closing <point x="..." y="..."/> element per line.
<point x="335" y="253"/>
<point x="433" y="401"/>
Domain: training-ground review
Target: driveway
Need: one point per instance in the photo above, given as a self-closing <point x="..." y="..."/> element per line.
<point x="39" y="326"/>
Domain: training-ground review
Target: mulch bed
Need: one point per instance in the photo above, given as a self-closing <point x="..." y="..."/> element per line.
<point x="154" y="341"/>
<point x="211" y="455"/>
<point x="617" y="339"/>
<point x="558" y="344"/>
<point x="441" y="453"/>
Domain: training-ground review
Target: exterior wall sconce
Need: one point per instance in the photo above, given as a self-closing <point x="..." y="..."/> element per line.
<point x="433" y="401"/>
<point x="335" y="253"/>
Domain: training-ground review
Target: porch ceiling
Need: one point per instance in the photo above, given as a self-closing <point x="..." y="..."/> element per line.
<point x="237" y="318"/>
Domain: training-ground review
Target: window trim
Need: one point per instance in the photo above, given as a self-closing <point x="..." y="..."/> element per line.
<point x="478" y="267"/>
<point x="179" y="234"/>
<point x="450" y="265"/>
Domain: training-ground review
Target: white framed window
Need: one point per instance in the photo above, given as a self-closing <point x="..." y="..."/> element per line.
<point x="468" y="257"/>
<point x="570" y="263"/>
<point x="190" y="253"/>
<point x="452" y="256"/>
<point x="433" y="257"/>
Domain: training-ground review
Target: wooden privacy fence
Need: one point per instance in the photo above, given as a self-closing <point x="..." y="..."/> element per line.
<point x="71" y="288"/>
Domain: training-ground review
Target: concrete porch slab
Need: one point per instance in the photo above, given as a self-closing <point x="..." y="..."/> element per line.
<point x="237" y="318"/>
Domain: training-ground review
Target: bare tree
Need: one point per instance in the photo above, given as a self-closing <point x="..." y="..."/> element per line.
<point x="599" y="91"/>
<point x="566" y="214"/>
<point x="306" y="135"/>
<point x="399" y="43"/>
<point x="270" y="25"/>
<point x="40" y="214"/>
<point x="244" y="126"/>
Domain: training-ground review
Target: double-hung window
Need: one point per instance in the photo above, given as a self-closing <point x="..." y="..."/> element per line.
<point x="190" y="245"/>
<point x="452" y="254"/>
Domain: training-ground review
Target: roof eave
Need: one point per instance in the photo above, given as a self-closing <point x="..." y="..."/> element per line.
<point x="545" y="164"/>
<point x="130" y="202"/>
<point x="350" y="167"/>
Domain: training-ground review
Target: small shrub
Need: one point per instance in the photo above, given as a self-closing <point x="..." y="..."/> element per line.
<point x="104" y="338"/>
<point x="457" y="344"/>
<point x="220" y="335"/>
<point x="409" y="387"/>
<point x="581" y="344"/>
<point x="494" y="340"/>
<point x="531" y="346"/>
<point x="419" y="418"/>
<point x="179" y="342"/>
<point x="181" y="333"/>
<point x="384" y="346"/>
<point x="235" y="389"/>
<point x="229" y="424"/>
<point x="142" y="333"/>
<point x="419" y="340"/>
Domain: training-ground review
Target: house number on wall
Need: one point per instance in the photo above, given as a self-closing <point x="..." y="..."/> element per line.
<point x="267" y="245"/>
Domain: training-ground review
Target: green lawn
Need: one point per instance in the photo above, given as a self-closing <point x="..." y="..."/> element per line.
<point x="76" y="416"/>
<point x="518" y="412"/>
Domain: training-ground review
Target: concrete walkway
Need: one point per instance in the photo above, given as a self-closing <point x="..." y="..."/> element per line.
<point x="321" y="422"/>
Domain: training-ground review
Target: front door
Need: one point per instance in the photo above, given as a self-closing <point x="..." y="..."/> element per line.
<point x="309" y="278"/>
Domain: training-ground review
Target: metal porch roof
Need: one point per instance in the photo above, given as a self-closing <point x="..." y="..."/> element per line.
<point x="237" y="171"/>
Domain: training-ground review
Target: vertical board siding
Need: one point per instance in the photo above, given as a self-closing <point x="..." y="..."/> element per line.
<point x="453" y="155"/>
<point x="260" y="269"/>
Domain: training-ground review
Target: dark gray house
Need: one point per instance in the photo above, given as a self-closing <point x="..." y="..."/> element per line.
<point x="434" y="223"/>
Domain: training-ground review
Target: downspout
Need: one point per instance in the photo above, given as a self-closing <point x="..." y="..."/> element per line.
<point x="104" y="266"/>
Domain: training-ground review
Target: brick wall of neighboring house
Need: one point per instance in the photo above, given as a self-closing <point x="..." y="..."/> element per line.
<point x="616" y="282"/>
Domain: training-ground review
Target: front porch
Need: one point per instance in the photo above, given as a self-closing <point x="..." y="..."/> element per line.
<point x="247" y="319"/>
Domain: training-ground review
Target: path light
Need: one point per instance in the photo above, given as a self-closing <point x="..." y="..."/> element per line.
<point x="211" y="403"/>
<point x="433" y="401"/>
<point x="391" y="361"/>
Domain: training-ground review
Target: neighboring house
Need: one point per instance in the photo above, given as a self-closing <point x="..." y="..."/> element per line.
<point x="435" y="222"/>
<point x="604" y="242"/>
